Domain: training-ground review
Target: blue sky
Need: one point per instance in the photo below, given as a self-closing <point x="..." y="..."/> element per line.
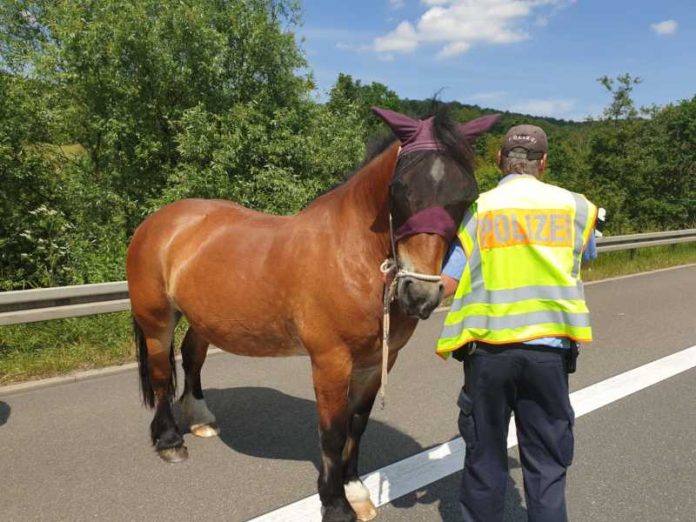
<point x="534" y="56"/>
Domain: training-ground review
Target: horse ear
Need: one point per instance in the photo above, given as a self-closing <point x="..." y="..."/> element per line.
<point x="474" y="128"/>
<point x="403" y="126"/>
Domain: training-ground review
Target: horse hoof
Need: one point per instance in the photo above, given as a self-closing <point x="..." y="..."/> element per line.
<point x="174" y="455"/>
<point x="364" y="509"/>
<point x="338" y="514"/>
<point x="205" y="430"/>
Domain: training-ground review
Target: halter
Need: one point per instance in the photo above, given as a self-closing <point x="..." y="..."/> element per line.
<point x="391" y="264"/>
<point x="392" y="273"/>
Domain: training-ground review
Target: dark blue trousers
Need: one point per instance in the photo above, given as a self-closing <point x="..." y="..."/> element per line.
<point x="533" y="383"/>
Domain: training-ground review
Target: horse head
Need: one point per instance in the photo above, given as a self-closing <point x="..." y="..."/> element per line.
<point x="432" y="187"/>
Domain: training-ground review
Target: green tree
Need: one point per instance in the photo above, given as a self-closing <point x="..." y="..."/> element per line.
<point x="670" y="179"/>
<point x="641" y="162"/>
<point x="622" y="105"/>
<point x="58" y="226"/>
<point x="275" y="163"/>
<point x="161" y="100"/>
<point x="616" y="162"/>
<point x="27" y="186"/>
<point x="349" y="96"/>
<point x="126" y="72"/>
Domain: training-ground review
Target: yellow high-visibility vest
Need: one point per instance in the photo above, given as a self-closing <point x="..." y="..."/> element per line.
<point x="523" y="242"/>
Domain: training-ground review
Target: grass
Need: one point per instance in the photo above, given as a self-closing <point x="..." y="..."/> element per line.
<point x="38" y="350"/>
<point x="613" y="264"/>
<point x="29" y="351"/>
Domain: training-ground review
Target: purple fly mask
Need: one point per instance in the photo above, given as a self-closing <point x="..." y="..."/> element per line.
<point x="434" y="216"/>
<point x="417" y="135"/>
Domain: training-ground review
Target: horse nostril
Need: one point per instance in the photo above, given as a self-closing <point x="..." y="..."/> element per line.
<point x="424" y="310"/>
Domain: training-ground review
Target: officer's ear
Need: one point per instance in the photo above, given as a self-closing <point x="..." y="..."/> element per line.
<point x="542" y="163"/>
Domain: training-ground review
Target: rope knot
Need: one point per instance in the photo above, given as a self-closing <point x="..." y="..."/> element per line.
<point x="388" y="266"/>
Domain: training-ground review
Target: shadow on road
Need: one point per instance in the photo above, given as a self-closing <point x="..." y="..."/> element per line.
<point x="266" y="423"/>
<point x="446" y="493"/>
<point x="4" y="412"/>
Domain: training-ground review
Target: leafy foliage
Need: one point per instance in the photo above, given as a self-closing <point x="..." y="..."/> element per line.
<point x="166" y="100"/>
<point x="348" y="97"/>
<point x="109" y="110"/>
<point x="641" y="165"/>
<point x="272" y="162"/>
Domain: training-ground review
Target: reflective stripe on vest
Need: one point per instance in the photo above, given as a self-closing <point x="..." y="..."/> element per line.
<point x="521" y="280"/>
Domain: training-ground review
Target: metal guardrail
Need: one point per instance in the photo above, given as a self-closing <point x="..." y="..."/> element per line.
<point x="43" y="304"/>
<point x="28" y="306"/>
<point x="633" y="241"/>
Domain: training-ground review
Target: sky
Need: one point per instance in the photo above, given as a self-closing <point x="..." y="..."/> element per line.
<point x="540" y="57"/>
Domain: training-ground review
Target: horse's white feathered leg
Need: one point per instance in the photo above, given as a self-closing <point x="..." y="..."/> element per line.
<point x="359" y="498"/>
<point x="198" y="416"/>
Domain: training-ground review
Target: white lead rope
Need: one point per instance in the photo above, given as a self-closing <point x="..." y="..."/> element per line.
<point x="389" y="267"/>
<point x="392" y="274"/>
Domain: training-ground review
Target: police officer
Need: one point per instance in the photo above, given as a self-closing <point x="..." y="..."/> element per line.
<point x="517" y="316"/>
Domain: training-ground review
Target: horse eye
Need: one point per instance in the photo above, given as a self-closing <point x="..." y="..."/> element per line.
<point x="399" y="189"/>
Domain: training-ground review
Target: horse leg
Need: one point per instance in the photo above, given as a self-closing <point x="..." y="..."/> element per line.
<point x="196" y="413"/>
<point x="331" y="375"/>
<point x="363" y="390"/>
<point x="158" y="382"/>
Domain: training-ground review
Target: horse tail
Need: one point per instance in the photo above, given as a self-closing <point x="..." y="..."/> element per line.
<point x="146" y="388"/>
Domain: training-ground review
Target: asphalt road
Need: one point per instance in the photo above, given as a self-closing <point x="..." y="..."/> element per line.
<point x="81" y="451"/>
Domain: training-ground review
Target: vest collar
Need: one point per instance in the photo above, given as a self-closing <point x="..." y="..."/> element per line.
<point x="514" y="176"/>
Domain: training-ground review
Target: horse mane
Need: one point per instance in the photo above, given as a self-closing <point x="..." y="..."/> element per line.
<point x="376" y="145"/>
<point x="447" y="133"/>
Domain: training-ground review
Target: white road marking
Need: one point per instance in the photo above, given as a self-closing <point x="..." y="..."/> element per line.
<point x="412" y="473"/>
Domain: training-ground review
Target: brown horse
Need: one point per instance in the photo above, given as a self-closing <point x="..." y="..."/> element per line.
<point x="309" y="284"/>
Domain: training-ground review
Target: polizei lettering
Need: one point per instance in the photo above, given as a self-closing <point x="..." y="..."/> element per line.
<point x="523" y="227"/>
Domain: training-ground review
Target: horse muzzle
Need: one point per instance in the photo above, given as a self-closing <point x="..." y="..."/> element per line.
<point x="418" y="298"/>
